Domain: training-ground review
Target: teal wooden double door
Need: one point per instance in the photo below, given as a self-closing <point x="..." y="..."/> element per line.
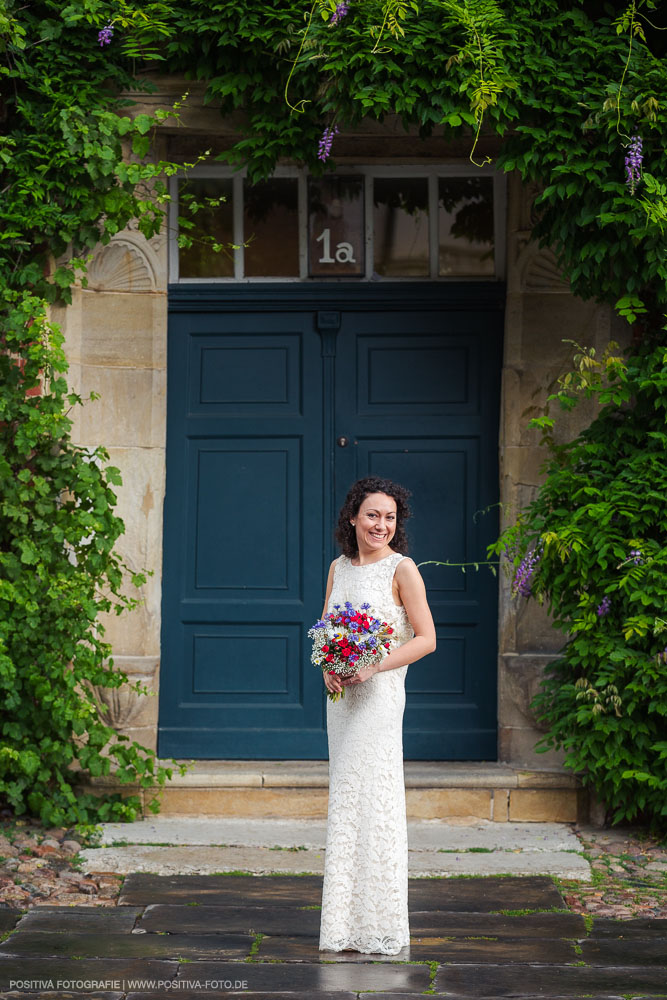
<point x="278" y="399"/>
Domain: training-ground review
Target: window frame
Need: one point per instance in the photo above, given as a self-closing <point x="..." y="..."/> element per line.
<point x="369" y="171"/>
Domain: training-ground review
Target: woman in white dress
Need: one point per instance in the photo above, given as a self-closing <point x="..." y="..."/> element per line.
<point x="365" y="890"/>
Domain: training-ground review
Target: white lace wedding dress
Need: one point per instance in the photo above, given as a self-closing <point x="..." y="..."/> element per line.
<point x="365" y="890"/>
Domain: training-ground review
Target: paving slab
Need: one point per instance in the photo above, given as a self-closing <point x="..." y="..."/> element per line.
<point x="185" y="860"/>
<point x="482" y="895"/>
<point x="300" y="921"/>
<point x="643" y="927"/>
<point x="491" y="981"/>
<point x="268" y="919"/>
<point x="560" y="864"/>
<point x="634" y="951"/>
<point x="139" y="889"/>
<point x="70" y="919"/>
<point x="472" y="895"/>
<point x="433" y="923"/>
<point x="433" y="949"/>
<point x="536" y="951"/>
<point x="300" y="978"/>
<point x="423" y="835"/>
<point x="191" y="946"/>
<point x="306" y="950"/>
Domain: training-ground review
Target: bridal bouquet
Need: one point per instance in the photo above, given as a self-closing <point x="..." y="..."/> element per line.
<point x="346" y="640"/>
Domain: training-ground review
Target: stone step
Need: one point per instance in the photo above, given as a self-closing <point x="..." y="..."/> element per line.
<point x="434" y="790"/>
<point x="198" y="845"/>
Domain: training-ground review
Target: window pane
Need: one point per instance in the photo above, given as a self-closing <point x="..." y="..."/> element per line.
<point x="200" y="260"/>
<point x="271" y="228"/>
<point x="400" y="226"/>
<point x="335" y="226"/>
<point x="465" y="226"/>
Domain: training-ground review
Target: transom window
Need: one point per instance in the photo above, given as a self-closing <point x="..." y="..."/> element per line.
<point x="369" y="223"/>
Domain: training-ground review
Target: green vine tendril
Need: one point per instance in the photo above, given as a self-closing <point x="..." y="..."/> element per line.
<point x="300" y="107"/>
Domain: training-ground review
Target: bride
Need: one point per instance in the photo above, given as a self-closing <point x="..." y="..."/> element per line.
<point x="365" y="889"/>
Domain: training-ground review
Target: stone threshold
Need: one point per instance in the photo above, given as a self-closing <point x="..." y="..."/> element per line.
<point x="315" y="774"/>
<point x="462" y="790"/>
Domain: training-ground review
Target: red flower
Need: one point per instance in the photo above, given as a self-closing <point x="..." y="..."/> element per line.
<point x="325" y="649"/>
<point x="329" y="658"/>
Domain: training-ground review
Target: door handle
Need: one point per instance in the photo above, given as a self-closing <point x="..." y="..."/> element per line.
<point x="342" y="441"/>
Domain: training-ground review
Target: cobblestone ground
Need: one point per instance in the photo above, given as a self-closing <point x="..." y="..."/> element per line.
<point x="39" y="867"/>
<point x="629" y="874"/>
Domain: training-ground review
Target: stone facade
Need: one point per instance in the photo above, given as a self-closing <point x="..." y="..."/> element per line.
<point x="115" y="339"/>
<point x="116" y="343"/>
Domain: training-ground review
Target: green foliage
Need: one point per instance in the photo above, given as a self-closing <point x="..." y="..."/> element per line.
<point x="557" y="90"/>
<point x="66" y="186"/>
<point x="601" y="521"/>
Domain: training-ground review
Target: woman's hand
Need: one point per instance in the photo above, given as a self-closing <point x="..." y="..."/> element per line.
<point x="363" y="675"/>
<point x="332" y="682"/>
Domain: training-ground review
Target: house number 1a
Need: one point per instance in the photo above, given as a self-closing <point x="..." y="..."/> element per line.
<point x="344" y="251"/>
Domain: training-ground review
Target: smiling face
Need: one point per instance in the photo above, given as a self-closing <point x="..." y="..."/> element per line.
<point x="375" y="523"/>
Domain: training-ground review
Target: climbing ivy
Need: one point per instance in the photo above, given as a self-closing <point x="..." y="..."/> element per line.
<point x="66" y="184"/>
<point x="592" y="546"/>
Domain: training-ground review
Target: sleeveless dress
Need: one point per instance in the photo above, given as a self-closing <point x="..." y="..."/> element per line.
<point x="365" y="888"/>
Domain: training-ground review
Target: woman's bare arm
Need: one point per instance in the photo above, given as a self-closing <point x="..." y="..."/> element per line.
<point x="412" y="594"/>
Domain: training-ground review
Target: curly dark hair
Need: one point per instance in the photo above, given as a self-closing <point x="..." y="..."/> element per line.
<point x="346" y="536"/>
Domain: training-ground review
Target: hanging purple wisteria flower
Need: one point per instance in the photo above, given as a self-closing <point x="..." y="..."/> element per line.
<point x="105" y="35"/>
<point x="633" y="163"/>
<point x="339" y="13"/>
<point x="636" y="556"/>
<point x="326" y="141"/>
<point x="604" y="606"/>
<point x="521" y="584"/>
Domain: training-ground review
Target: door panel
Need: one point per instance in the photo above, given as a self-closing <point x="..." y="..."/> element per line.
<point x="243" y="523"/>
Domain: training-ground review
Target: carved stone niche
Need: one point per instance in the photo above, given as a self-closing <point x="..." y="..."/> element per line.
<point x="123" y="708"/>
<point x="121" y="266"/>
<point x="540" y="272"/>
